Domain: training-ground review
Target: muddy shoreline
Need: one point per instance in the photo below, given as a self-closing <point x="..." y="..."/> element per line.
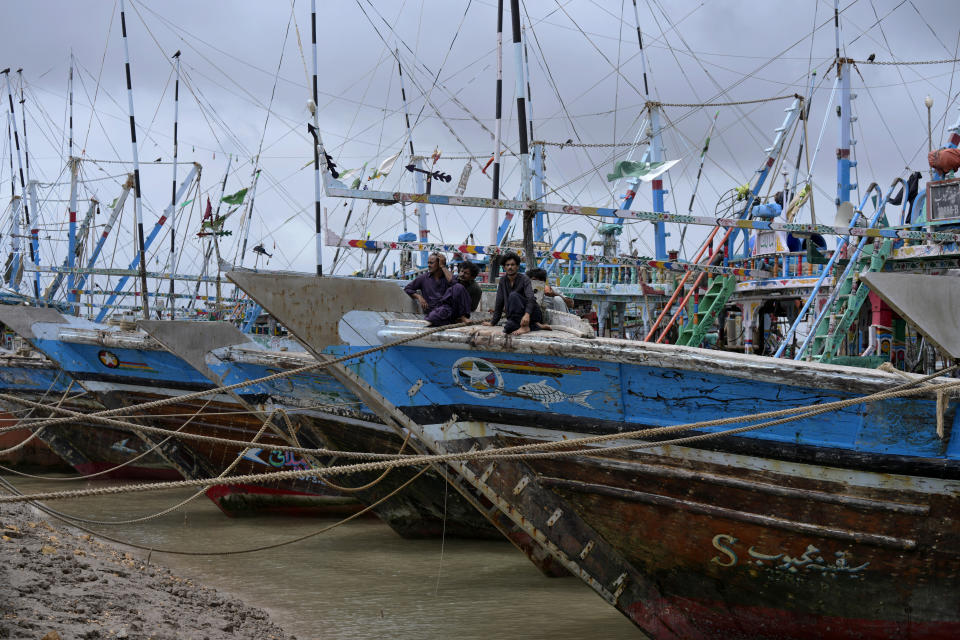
<point x="56" y="583"/>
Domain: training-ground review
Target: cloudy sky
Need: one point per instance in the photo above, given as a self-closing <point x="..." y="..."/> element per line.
<point x="244" y="90"/>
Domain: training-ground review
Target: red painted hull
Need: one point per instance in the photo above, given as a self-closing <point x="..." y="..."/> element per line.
<point x="246" y="499"/>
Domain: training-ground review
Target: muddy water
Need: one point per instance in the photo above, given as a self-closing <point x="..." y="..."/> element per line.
<point x="359" y="581"/>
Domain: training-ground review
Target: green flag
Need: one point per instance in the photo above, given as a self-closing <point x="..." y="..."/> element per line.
<point x="186" y="203"/>
<point x="236" y="198"/>
<point x="646" y="171"/>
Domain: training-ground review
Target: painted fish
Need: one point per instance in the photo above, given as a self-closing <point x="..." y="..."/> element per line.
<point x="543" y="392"/>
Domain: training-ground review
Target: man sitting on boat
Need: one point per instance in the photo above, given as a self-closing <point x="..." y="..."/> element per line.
<point x="515" y="294"/>
<point x="547" y="296"/>
<point x="468" y="278"/>
<point x="460" y="300"/>
<point x="429" y="287"/>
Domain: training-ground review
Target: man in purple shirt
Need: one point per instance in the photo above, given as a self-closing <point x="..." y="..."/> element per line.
<point x="457" y="304"/>
<point x="429" y="287"/>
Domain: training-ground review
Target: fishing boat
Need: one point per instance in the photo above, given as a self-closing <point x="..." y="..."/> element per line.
<point x="702" y="492"/>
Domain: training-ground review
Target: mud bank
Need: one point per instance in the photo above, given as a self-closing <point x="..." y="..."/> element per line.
<point x="57" y="584"/>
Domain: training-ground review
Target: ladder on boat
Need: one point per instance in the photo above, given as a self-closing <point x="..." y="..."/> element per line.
<point x="852" y="293"/>
<point x="878" y="217"/>
<point x="712" y="303"/>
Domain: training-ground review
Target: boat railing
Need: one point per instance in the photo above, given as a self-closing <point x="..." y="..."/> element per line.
<point x="793" y="264"/>
<point x="576" y="273"/>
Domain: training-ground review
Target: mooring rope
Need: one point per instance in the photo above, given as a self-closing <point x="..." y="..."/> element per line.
<point x="520" y="451"/>
<point x="231" y="552"/>
<point x="239" y="385"/>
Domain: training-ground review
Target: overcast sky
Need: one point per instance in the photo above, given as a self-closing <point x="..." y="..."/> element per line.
<point x="243" y="60"/>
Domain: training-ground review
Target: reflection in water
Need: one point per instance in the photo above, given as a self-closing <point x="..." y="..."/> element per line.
<point x="358" y="581"/>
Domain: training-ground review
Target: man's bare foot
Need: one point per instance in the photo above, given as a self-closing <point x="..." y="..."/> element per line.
<point x="544" y="327"/>
<point x="521" y="331"/>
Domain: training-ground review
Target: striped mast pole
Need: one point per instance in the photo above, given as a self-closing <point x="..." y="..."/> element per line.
<point x="494" y="215"/>
<point x="72" y="213"/>
<point x="536" y="159"/>
<point x="31" y="189"/>
<point x="498" y="108"/>
<point x="317" y="211"/>
<point x="23" y="184"/>
<point x="424" y="233"/>
<point x="844" y="164"/>
<point x="137" y="204"/>
<point x="522" y="125"/>
<point x="12" y="281"/>
<point x="173" y="186"/>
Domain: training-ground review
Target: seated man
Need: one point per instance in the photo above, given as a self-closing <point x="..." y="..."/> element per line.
<point x="515" y="294"/>
<point x="429" y="287"/>
<point x="468" y="278"/>
<point x="460" y="300"/>
<point x="549" y="299"/>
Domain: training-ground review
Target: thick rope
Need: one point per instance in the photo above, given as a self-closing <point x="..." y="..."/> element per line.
<point x="202" y="438"/>
<point x="232" y="552"/>
<point x="246" y="383"/>
<point x="372" y="483"/>
<point x="515" y="452"/>
<point x="159" y="514"/>
<point x="36" y="433"/>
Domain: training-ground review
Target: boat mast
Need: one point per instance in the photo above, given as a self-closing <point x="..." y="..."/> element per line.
<point x="13" y="282"/>
<point x="173" y="186"/>
<point x="498" y="109"/>
<point x="137" y="204"/>
<point x="418" y="185"/>
<point x="528" y="215"/>
<point x="317" y="212"/>
<point x="23" y="185"/>
<point x="74" y="175"/>
<point x="844" y="164"/>
<point x="536" y="158"/>
<point x="31" y="190"/>
<point x="654" y="153"/>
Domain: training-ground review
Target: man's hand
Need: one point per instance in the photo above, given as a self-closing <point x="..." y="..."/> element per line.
<point x="486" y="323"/>
<point x="422" y="302"/>
<point x="525" y="320"/>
